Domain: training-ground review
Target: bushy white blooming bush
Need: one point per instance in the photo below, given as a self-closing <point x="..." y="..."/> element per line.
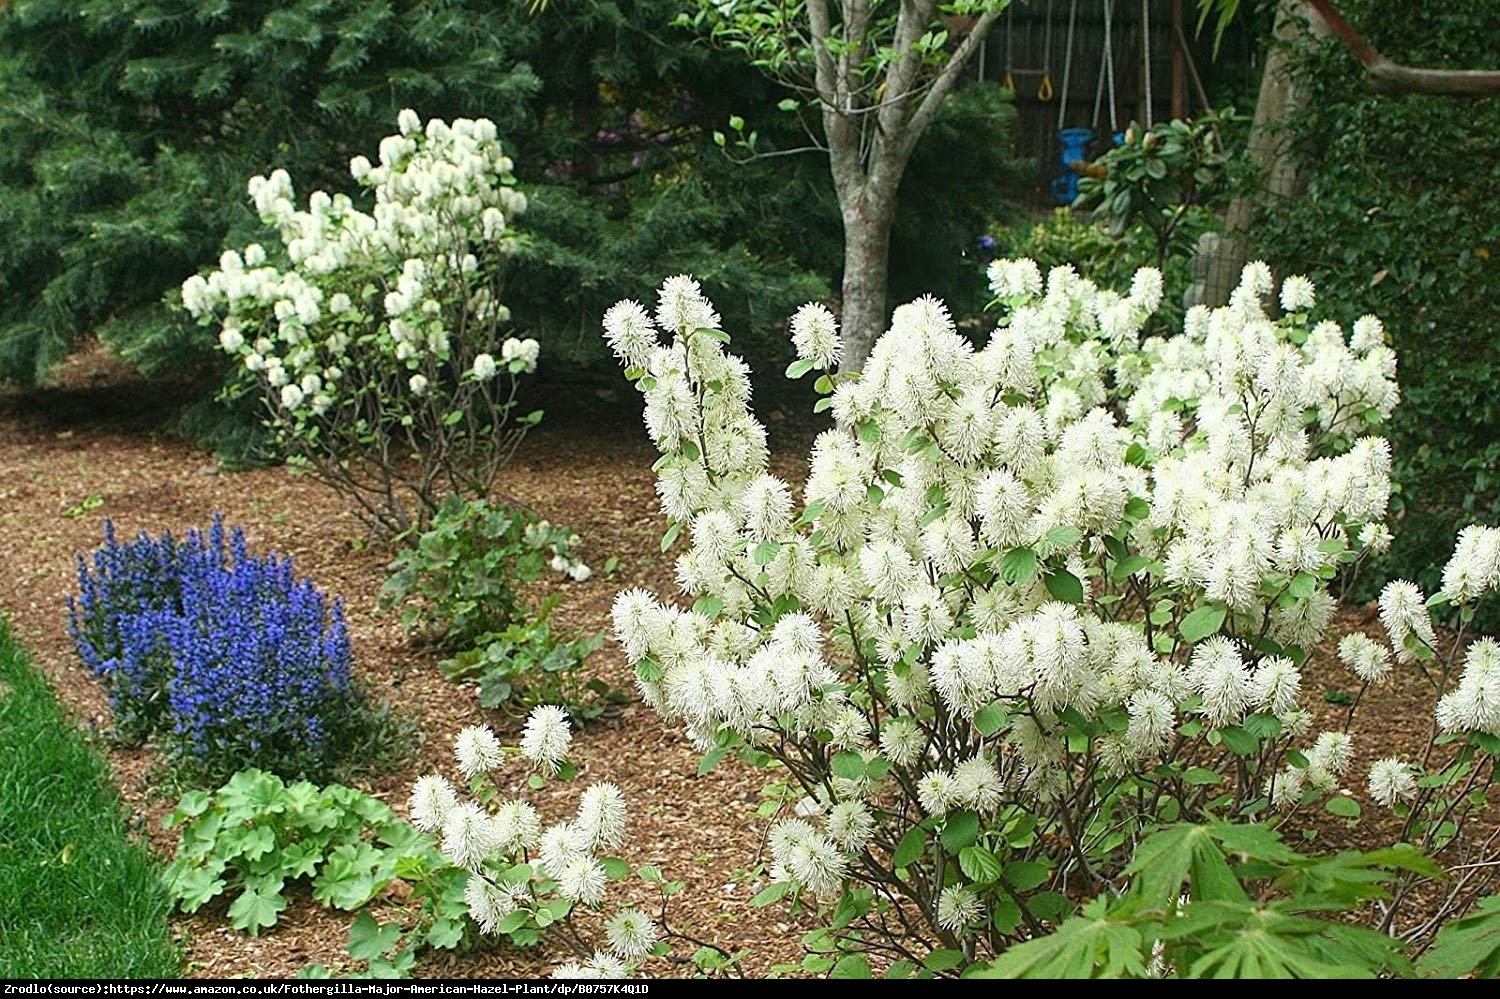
<point x="526" y="878"/>
<point x="376" y="336"/>
<point x="1035" y="597"/>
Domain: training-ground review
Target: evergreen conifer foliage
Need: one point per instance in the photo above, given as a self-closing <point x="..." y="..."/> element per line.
<point x="127" y="128"/>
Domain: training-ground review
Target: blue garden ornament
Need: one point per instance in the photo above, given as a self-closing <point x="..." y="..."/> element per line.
<point x="1074" y="143"/>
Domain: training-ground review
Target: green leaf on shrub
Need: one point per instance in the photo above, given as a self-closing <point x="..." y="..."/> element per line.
<point x="1302" y="586"/>
<point x="513" y="922"/>
<point x="1238" y="741"/>
<point x="942" y="960"/>
<point x="671" y="535"/>
<point x="1137" y="508"/>
<point x="773" y="892"/>
<point x="1467" y="947"/>
<point x="369" y="939"/>
<point x="1202" y="623"/>
<point x="1065" y="586"/>
<point x="1199" y="776"/>
<point x="615" y="868"/>
<point x="1024" y="875"/>
<point x="1342" y="806"/>
<point x="852" y="966"/>
<point x="713" y="334"/>
<point x="1063" y="536"/>
<point x="911" y="847"/>
<point x="1018" y="565"/>
<point x="649" y="670"/>
<point x="798" y="368"/>
<point x="765" y="552"/>
<point x="708" y="605"/>
<point x="1128" y="566"/>
<point x="990" y="719"/>
<point x="848" y="765"/>
<point x="711" y="759"/>
<point x="1005" y="915"/>
<point x="960" y="830"/>
<point x="1053" y="906"/>
<point x="1262" y="726"/>
<point x="254" y="911"/>
<point x="978" y="864"/>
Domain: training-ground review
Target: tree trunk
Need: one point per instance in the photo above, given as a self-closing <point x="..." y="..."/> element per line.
<point x="867" y="243"/>
<point x="1268" y="148"/>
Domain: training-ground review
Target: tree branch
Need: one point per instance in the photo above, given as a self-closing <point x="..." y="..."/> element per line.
<point x="1392" y="78"/>
<point x="949" y="75"/>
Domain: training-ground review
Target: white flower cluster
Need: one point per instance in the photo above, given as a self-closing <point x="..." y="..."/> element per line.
<point x="539" y="534"/>
<point x="492" y="844"/>
<point x="441" y="205"/>
<point x="963" y="491"/>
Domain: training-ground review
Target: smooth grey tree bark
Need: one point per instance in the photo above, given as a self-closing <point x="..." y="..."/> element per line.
<point x="871" y="124"/>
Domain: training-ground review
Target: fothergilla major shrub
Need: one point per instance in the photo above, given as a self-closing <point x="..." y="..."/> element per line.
<point x="228" y="657"/>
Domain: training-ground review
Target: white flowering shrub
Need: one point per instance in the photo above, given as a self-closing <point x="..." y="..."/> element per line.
<point x="527" y="879"/>
<point x="1035" y="598"/>
<point x="376" y="337"/>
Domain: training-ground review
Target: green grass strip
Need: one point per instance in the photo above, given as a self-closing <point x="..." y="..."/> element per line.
<point x="77" y="898"/>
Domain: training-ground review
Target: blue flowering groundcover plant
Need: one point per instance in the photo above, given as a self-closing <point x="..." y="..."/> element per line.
<point x="228" y="657"/>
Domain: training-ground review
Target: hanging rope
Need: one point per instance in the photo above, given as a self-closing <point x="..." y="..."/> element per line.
<point x="1106" y="73"/>
<point x="1009" y="81"/>
<point x="1146" y="53"/>
<point x="1062" y="102"/>
<point x="1044" y="87"/>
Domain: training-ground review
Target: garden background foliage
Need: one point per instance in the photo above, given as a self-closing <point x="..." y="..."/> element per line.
<point x="128" y="128"/>
<point x="1398" y="219"/>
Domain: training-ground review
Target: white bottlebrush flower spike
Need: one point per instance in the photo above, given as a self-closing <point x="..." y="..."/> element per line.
<point x="1392" y="780"/>
<point x="477" y="750"/>
<point x="815" y="335"/>
<point x="432" y="798"/>
<point x="547" y="737"/>
<point x="631" y="934"/>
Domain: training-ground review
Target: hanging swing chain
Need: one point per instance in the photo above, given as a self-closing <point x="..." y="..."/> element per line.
<point x="1062" y="98"/>
<point x="1146" y="53"/>
<point x="1106" y="74"/>
<point x="1109" y="63"/>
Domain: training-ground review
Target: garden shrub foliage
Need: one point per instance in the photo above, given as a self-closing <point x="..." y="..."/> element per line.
<point x="1039" y="598"/>
<point x="460" y="585"/>
<point x="228" y="657"/>
<point x="460" y="580"/>
<point x="376" y="343"/>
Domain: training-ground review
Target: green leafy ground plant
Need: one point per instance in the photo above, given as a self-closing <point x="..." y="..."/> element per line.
<point x="257" y="840"/>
